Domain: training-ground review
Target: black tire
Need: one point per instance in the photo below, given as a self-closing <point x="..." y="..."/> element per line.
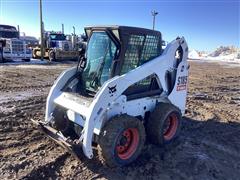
<point x="164" y="124"/>
<point x="34" y="54"/>
<point x="121" y="141"/>
<point x="51" y="55"/>
<point x="1" y="56"/>
<point x="63" y="124"/>
<point x="26" y="60"/>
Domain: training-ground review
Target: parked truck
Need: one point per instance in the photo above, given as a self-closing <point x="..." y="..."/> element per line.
<point x="57" y="46"/>
<point x="14" y="47"/>
<point x="31" y="41"/>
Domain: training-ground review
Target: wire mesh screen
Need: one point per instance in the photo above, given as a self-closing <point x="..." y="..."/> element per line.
<point x="150" y="49"/>
<point x="133" y="53"/>
<point x="140" y="50"/>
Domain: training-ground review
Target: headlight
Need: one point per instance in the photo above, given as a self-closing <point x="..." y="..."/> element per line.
<point x="5" y="49"/>
<point x="8" y="44"/>
<point x="28" y="51"/>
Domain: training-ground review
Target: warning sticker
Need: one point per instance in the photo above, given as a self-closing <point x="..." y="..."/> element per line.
<point x="182" y="83"/>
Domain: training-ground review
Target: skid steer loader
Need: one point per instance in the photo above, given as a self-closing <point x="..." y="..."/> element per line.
<point x="125" y="88"/>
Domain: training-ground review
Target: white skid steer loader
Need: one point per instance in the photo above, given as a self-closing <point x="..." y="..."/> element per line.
<point x="125" y="87"/>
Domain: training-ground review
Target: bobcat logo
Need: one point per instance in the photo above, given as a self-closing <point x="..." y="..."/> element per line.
<point x="112" y="90"/>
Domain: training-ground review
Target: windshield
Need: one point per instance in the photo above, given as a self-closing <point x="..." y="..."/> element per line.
<point x="100" y="53"/>
<point x="58" y="37"/>
<point x="9" y="34"/>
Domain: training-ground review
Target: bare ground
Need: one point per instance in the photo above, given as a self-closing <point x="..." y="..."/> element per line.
<point x="208" y="147"/>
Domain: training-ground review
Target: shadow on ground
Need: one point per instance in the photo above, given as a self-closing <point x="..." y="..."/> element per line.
<point x="205" y="150"/>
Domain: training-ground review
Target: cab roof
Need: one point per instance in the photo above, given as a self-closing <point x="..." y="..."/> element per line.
<point x="7" y="27"/>
<point x="123" y="30"/>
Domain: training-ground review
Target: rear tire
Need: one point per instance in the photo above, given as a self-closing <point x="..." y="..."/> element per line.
<point x="164" y="124"/>
<point x="121" y="140"/>
<point x="34" y="54"/>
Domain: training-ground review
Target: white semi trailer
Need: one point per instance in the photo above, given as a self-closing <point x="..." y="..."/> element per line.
<point x="14" y="48"/>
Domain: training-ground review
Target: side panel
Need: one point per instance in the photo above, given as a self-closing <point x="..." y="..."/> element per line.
<point x="55" y="90"/>
<point x="62" y="54"/>
<point x="136" y="107"/>
<point x="179" y="93"/>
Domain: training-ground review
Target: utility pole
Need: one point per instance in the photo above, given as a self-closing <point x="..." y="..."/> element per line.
<point x="41" y="30"/>
<point x="18" y="31"/>
<point x="154" y="14"/>
<point x="73" y="30"/>
<point x="63" y="28"/>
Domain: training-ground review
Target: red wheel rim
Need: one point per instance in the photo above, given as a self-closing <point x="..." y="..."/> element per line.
<point x="170" y="126"/>
<point x="127" y="143"/>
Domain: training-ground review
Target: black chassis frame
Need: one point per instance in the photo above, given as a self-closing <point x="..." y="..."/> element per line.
<point x="121" y="42"/>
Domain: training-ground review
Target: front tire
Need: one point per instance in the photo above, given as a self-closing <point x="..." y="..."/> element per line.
<point x="52" y="56"/>
<point x="121" y="140"/>
<point x="34" y="54"/>
<point x="164" y="124"/>
<point x="62" y="123"/>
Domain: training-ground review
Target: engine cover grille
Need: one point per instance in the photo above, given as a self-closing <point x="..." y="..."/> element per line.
<point x="17" y="46"/>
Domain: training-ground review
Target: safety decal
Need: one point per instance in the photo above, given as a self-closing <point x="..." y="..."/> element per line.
<point x="182" y="83"/>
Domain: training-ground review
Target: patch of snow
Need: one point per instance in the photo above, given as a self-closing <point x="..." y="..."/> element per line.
<point x="37" y="64"/>
<point x="18" y="95"/>
<point x="232" y="58"/>
<point x="193" y="54"/>
<point x="15" y="96"/>
<point x="226" y="54"/>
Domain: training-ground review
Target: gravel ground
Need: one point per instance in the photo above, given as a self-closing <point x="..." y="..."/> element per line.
<point x="208" y="146"/>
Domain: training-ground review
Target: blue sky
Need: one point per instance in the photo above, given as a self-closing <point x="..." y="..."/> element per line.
<point x="206" y="24"/>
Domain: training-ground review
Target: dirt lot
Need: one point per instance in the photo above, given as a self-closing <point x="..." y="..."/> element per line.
<point x="208" y="147"/>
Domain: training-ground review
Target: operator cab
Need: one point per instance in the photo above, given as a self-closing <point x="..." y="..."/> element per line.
<point x="54" y="38"/>
<point x="8" y="32"/>
<point x="57" y="37"/>
<point x="115" y="50"/>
